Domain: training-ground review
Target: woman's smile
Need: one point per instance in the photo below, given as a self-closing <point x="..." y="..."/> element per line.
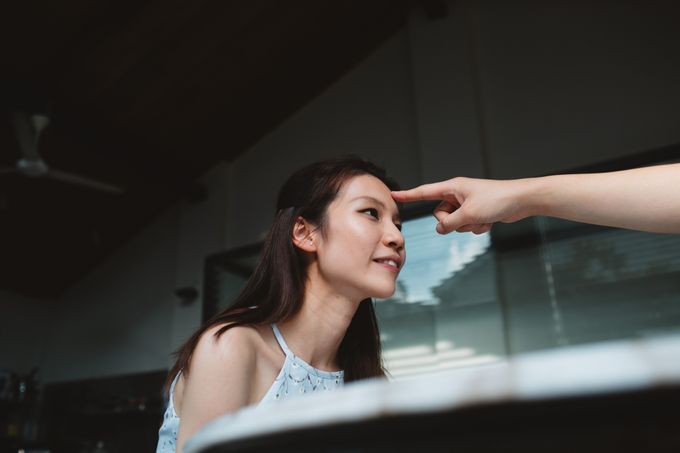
<point x="392" y="263"/>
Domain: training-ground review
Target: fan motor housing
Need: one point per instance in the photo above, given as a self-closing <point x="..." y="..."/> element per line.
<point x="32" y="167"/>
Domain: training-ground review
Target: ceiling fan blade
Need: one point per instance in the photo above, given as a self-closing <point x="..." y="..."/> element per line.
<point x="28" y="129"/>
<point x="82" y="181"/>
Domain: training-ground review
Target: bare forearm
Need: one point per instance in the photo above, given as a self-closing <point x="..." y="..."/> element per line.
<point x="645" y="199"/>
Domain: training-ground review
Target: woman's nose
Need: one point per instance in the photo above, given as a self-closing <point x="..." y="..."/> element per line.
<point x="393" y="237"/>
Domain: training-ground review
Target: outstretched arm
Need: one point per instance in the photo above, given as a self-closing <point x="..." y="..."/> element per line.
<point x="646" y="199"/>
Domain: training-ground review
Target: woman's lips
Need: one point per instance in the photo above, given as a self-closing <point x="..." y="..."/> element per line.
<point x="388" y="264"/>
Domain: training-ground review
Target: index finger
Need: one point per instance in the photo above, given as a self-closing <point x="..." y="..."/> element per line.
<point x="434" y="191"/>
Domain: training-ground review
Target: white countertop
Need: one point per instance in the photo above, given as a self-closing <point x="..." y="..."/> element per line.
<point x="575" y="371"/>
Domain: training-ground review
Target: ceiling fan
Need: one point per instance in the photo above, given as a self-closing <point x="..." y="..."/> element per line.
<point x="28" y="128"/>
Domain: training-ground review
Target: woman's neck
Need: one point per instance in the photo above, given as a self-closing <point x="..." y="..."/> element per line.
<point x="316" y="331"/>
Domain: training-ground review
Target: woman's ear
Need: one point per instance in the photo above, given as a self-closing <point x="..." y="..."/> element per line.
<point x="303" y="236"/>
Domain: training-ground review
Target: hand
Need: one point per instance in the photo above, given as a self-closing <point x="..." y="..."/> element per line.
<point x="469" y="204"/>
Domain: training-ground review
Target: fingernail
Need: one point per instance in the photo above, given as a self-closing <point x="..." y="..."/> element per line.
<point x="439" y="228"/>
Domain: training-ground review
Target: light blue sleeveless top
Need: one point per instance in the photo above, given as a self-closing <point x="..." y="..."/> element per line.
<point x="296" y="377"/>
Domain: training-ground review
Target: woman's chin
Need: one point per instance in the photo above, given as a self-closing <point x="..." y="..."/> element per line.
<point x="384" y="293"/>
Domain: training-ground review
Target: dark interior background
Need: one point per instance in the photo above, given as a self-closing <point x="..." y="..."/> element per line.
<point x="146" y="96"/>
<point x="97" y="288"/>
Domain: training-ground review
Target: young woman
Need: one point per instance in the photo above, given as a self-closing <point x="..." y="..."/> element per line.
<point x="304" y="321"/>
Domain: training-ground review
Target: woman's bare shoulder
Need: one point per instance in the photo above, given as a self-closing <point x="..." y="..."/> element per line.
<point x="219" y="378"/>
<point x="235" y="343"/>
<point x="228" y="359"/>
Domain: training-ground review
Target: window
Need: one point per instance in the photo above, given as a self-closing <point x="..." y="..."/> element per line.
<point x="445" y="312"/>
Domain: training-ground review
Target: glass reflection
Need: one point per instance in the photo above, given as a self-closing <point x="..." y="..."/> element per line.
<point x="445" y="312"/>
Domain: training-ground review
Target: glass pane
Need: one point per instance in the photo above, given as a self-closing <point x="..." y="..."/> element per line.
<point x="445" y="313"/>
<point x="584" y="284"/>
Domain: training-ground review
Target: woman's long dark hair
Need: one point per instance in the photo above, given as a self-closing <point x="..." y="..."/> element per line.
<point x="276" y="289"/>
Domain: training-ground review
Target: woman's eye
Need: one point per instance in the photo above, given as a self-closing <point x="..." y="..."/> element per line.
<point x="372" y="212"/>
<point x="398" y="225"/>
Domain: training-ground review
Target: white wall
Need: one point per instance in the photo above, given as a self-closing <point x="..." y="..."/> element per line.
<point x="498" y="89"/>
<point x="117" y="319"/>
<point x="445" y="93"/>
<point x="23" y="321"/>
<point x="201" y="232"/>
<point x="570" y="83"/>
<point x="124" y="317"/>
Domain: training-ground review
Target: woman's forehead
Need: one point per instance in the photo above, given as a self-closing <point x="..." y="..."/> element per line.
<point x="367" y="188"/>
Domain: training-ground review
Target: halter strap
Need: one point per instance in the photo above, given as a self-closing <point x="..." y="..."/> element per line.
<point x="281" y="341"/>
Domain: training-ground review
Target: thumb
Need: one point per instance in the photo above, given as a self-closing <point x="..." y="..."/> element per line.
<point x="452" y="222"/>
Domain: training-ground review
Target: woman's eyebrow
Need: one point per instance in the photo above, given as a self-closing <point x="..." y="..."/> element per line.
<point x="376" y="201"/>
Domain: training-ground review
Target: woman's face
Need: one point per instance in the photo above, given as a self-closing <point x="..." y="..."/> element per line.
<point x="361" y="251"/>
